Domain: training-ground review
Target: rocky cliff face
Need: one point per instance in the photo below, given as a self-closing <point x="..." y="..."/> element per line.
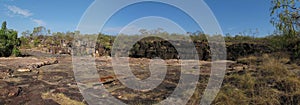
<point x="167" y="50"/>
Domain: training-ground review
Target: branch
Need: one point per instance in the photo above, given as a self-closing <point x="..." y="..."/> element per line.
<point x="292" y="7"/>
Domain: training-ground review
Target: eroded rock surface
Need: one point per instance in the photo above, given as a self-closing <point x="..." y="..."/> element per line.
<point x="24" y="80"/>
<point x="52" y="79"/>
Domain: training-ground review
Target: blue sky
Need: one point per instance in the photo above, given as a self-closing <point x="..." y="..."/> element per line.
<point x="234" y="16"/>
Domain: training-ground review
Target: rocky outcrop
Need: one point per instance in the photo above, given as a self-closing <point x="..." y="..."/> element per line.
<point x="40" y="64"/>
<point x="235" y="51"/>
<point x="32" y="66"/>
<point x="169" y="50"/>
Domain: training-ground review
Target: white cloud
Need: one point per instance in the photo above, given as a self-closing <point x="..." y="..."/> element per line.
<point x="19" y="11"/>
<point x="14" y="10"/>
<point x="39" y="22"/>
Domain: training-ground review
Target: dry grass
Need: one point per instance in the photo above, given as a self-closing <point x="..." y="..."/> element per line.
<point x="230" y="95"/>
<point x="272" y="84"/>
<point x="265" y="96"/>
<point x="245" y="81"/>
<point x="250" y="60"/>
<point x="274" y="67"/>
<point x="284" y="60"/>
<point x="288" y="85"/>
<point x="61" y="99"/>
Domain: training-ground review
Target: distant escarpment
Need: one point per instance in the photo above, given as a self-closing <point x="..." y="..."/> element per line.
<point x="184" y="50"/>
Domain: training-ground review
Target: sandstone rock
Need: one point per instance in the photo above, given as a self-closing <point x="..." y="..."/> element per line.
<point x="40" y="64"/>
<point x="47" y="62"/>
<point x="54" y="61"/>
<point x="24" y="70"/>
<point x="31" y="66"/>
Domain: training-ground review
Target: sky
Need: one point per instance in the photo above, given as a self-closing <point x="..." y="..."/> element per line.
<point x="234" y="16"/>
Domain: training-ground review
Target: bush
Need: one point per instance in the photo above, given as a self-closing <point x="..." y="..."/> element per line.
<point x="16" y="52"/>
<point x="9" y="42"/>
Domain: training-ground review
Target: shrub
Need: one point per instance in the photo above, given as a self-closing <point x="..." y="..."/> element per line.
<point x="16" y="52"/>
<point x="9" y="41"/>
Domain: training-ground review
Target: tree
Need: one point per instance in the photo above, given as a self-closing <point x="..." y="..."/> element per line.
<point x="26" y="33"/>
<point x="3" y="27"/>
<point x="9" y="42"/>
<point x="143" y="31"/>
<point x="48" y="32"/>
<point x="285" y="17"/>
<point x="38" y="31"/>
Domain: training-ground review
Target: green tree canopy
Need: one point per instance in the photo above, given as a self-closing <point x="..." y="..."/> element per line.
<point x="4" y="26"/>
<point x="9" y="42"/>
<point x="285" y="17"/>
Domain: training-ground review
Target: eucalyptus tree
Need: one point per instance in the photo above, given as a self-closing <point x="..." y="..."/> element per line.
<point x="286" y="17"/>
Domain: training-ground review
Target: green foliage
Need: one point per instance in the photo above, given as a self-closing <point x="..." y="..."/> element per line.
<point x="37" y="31"/>
<point x="105" y="41"/>
<point x="9" y="42"/>
<point x="285" y="16"/>
<point x="24" y="42"/>
<point x="36" y="42"/>
<point x="294" y="48"/>
<point x="3" y="27"/>
<point x="16" y="52"/>
<point x="199" y="36"/>
<point x="278" y="42"/>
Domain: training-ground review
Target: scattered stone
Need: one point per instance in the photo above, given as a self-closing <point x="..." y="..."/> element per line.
<point x="238" y="68"/>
